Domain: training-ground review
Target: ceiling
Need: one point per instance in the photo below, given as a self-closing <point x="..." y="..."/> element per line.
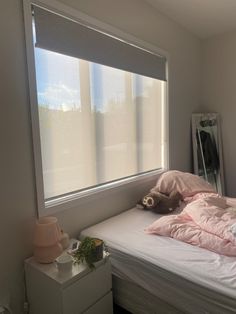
<point x="204" y="18"/>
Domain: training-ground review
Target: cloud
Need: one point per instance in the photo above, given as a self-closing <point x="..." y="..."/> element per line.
<point x="59" y="96"/>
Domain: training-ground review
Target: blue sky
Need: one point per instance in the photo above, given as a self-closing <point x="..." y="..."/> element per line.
<point x="57" y="79"/>
<point x="58" y="82"/>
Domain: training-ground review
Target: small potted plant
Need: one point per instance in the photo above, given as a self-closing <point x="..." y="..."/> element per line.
<point x="90" y="250"/>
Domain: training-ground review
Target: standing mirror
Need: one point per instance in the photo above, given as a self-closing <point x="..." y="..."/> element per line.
<point x="207" y="149"/>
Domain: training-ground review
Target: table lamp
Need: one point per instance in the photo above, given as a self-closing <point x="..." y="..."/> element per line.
<point x="47" y="236"/>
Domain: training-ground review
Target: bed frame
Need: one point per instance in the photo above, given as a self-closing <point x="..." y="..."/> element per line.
<point x="137" y="300"/>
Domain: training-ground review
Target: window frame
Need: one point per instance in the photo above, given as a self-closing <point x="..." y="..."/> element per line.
<point x="77" y="198"/>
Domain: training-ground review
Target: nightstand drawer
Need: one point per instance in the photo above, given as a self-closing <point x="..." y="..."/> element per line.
<point x="103" y="306"/>
<point x="88" y="290"/>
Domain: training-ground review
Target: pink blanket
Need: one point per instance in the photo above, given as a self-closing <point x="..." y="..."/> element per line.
<point x="204" y="222"/>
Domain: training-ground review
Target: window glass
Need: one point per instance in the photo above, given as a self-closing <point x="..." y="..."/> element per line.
<point x="97" y="123"/>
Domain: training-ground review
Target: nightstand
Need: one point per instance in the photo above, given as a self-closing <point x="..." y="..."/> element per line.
<point x="80" y="291"/>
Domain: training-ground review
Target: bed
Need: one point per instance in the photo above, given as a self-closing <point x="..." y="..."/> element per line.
<point x="158" y="274"/>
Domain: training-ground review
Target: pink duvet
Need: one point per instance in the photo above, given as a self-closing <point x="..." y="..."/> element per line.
<point x="204" y="222"/>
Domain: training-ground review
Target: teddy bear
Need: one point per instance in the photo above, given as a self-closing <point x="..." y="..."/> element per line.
<point x="160" y="203"/>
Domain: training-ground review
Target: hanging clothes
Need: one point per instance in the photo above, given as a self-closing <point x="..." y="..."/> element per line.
<point x="210" y="156"/>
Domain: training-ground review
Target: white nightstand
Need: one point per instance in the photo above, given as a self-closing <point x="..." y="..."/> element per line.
<point x="81" y="291"/>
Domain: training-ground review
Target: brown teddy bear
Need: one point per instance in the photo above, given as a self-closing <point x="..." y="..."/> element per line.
<point x="160" y="203"/>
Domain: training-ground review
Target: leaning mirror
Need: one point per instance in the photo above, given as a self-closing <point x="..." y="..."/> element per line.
<point x="207" y="149"/>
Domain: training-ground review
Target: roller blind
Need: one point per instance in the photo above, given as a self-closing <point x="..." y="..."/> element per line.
<point x="62" y="35"/>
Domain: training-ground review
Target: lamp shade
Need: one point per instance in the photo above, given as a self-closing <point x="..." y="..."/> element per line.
<point x="47" y="254"/>
<point x="47" y="232"/>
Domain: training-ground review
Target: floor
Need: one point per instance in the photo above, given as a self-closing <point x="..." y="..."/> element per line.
<point x="120" y="310"/>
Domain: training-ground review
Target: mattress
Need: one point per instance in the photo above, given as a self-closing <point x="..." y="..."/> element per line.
<point x="190" y="278"/>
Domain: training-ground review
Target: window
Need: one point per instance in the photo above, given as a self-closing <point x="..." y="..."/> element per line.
<point x="99" y="121"/>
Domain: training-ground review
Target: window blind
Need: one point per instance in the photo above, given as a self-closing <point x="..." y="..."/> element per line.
<point x="62" y="35"/>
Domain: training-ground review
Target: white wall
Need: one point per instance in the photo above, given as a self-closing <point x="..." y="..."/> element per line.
<point x="17" y="195"/>
<point x="219" y="95"/>
<point x="18" y="199"/>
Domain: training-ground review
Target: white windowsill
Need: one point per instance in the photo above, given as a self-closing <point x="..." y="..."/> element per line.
<point x="76" y="199"/>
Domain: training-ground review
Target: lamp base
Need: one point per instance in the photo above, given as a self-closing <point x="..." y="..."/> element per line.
<point x="46" y="255"/>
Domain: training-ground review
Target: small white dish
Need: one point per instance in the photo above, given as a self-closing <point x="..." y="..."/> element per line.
<point x="64" y="263"/>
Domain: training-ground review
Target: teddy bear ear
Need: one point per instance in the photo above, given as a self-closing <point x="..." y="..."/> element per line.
<point x="152" y="201"/>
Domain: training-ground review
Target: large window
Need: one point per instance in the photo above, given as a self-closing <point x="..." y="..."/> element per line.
<point x="98" y="122"/>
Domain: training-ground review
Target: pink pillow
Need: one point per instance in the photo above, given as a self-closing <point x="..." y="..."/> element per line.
<point x="185" y="183"/>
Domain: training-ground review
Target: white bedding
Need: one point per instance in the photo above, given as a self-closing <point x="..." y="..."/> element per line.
<point x="164" y="266"/>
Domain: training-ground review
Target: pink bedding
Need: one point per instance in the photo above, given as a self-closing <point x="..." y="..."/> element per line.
<point x="204" y="221"/>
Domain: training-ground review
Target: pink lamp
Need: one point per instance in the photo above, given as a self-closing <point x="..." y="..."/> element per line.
<point x="47" y="236"/>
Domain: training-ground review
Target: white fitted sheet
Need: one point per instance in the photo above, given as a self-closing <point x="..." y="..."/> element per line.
<point x="166" y="267"/>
